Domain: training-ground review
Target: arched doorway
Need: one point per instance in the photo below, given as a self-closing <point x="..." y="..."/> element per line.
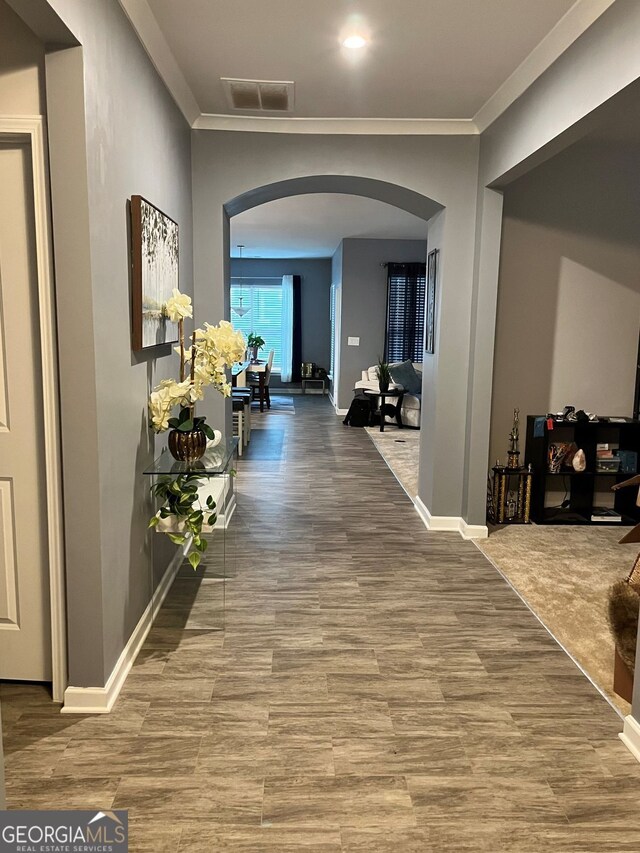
<point x="433" y="178"/>
<point x="385" y="193"/>
<point x="306" y="206"/>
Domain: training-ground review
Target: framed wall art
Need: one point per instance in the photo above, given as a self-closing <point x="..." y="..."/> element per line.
<point x="154" y="265"/>
<point x="430" y="320"/>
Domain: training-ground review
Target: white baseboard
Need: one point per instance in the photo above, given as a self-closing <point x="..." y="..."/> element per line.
<point x="630" y="736"/>
<point x="100" y="700"/>
<point x="340" y="412"/>
<point x="473" y="531"/>
<point x="449" y="523"/>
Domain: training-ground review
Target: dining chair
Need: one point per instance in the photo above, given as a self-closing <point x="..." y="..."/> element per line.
<point x="253" y="380"/>
<point x="241" y="404"/>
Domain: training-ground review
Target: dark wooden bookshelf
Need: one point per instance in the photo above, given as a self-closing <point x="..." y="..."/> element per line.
<point x="580" y="486"/>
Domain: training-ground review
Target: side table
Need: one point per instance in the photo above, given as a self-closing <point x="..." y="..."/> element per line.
<point x="314" y="379"/>
<point x="215" y="471"/>
<point x="393" y="410"/>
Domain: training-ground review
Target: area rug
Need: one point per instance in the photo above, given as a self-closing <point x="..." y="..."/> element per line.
<point x="279" y="405"/>
<point x="400" y="449"/>
<point x="563" y="574"/>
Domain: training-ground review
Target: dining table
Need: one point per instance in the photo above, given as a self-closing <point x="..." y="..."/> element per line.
<point x="239" y="374"/>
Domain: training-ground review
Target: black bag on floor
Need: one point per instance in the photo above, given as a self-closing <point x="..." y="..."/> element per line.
<point x="359" y="413"/>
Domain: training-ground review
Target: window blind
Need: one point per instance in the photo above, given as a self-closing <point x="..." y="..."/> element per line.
<point x="405" y="312"/>
<point x="332" y="320"/>
<point x="264" y="315"/>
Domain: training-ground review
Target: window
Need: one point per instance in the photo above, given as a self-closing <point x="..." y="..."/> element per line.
<point x="405" y="312"/>
<point x="262" y="302"/>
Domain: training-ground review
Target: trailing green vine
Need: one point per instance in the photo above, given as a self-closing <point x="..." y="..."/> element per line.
<point x="180" y="500"/>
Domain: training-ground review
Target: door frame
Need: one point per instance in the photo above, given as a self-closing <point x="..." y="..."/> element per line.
<point x="30" y="130"/>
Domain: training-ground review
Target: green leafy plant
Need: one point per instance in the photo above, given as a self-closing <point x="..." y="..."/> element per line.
<point x="186" y="422"/>
<point x="383" y="373"/>
<point x="255" y="341"/>
<point x="180" y="501"/>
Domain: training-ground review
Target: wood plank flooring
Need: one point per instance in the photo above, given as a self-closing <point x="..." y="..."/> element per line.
<point x="378" y="689"/>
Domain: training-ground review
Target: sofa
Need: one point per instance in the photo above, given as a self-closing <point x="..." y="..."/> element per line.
<point x="411" y="403"/>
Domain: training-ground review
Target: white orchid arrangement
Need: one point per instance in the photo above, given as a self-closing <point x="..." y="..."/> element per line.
<point x="212" y="350"/>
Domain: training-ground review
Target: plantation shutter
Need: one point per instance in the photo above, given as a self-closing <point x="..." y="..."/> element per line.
<point x="332" y="318"/>
<point x="405" y="312"/>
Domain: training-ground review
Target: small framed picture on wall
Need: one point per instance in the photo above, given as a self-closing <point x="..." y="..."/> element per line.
<point x="154" y="262"/>
<point x="430" y="325"/>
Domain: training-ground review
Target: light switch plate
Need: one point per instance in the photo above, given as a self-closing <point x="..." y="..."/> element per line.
<point x="353" y="342"/>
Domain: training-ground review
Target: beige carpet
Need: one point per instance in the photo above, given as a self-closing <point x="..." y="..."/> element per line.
<point x="400" y="449"/>
<point x="563" y="573"/>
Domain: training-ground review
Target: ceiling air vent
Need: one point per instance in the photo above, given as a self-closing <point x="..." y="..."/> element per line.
<point x="273" y="96"/>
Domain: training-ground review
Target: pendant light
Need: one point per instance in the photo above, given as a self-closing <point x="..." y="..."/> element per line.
<point x="239" y="309"/>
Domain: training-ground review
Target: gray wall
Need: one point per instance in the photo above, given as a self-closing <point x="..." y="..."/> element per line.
<point x="315" y="274"/>
<point x="114" y="131"/>
<point x="364" y="303"/>
<point x="556" y="108"/>
<point x="569" y="294"/>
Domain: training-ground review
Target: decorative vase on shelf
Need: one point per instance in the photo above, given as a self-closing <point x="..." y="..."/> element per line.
<point x="254" y="353"/>
<point x="187" y="446"/>
<point x="384" y="386"/>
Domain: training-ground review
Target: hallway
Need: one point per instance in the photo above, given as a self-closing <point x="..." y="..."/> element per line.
<point x="378" y="688"/>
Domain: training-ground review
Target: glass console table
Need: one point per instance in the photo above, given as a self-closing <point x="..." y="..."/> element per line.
<point x="207" y="598"/>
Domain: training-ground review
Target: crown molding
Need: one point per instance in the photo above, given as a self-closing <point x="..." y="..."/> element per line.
<point x="570" y="27"/>
<point x="152" y="38"/>
<point x="352" y="126"/>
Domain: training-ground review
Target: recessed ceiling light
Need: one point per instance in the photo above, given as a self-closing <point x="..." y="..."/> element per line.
<point x="354" y="42"/>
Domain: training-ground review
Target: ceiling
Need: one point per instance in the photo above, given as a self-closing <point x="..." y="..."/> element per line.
<point x="312" y="226"/>
<point x="425" y="59"/>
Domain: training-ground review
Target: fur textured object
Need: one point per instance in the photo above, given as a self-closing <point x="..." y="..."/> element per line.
<point x="624" y="607"/>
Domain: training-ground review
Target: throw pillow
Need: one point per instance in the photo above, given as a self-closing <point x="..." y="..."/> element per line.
<point x="405" y="374"/>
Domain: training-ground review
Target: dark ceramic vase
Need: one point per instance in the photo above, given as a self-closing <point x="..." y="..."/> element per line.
<point x="384" y="386"/>
<point x="187" y="446"/>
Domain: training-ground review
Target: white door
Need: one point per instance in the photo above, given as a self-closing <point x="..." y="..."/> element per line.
<point x="25" y="615"/>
